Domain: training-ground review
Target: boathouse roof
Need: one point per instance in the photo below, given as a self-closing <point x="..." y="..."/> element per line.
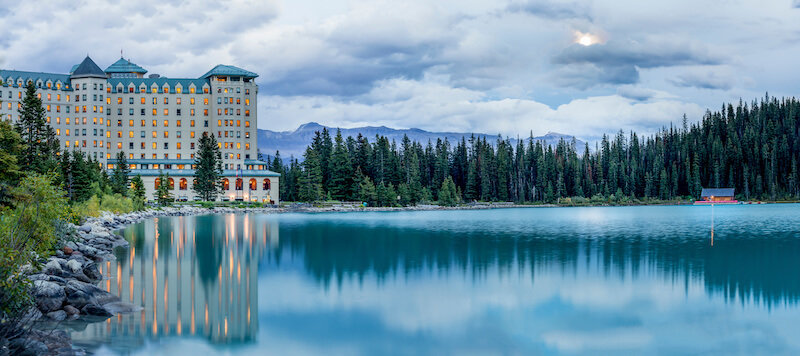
<point x="717" y="192"/>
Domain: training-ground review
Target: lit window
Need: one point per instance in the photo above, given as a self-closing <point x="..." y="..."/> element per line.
<point x="166" y="134"/>
<point x="130" y="134"/>
<point x="178" y="123"/>
<point x="119" y="145"/>
<point x="154" y="147"/>
<point x="178" y="101"/>
<point x="247" y="124"/>
<point x="191" y="101"/>
<point x="155" y="112"/>
<point x="155" y="123"/>
<point x="191" y="134"/>
<point x="178" y="90"/>
<point x="142" y="100"/>
<point x="166" y="112"/>
<point x="205" y="101"/>
<point x="130" y="123"/>
<point x="155" y="134"/>
<point x="191" y="90"/>
<point x="179" y="145"/>
<point x="119" y="100"/>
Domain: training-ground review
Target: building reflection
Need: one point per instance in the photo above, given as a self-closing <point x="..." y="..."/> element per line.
<point x="192" y="276"/>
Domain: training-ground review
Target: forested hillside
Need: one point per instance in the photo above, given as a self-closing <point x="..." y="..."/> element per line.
<point x="751" y="147"/>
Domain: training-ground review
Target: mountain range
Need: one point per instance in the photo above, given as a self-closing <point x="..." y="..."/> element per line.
<point x="294" y="143"/>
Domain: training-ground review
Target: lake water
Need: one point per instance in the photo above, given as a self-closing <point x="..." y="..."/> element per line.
<point x="632" y="280"/>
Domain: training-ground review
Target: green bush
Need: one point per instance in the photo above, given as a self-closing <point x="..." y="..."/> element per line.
<point x="115" y="203"/>
<point x="29" y="230"/>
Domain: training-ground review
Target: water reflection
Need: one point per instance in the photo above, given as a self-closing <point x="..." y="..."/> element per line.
<point x="194" y="277"/>
<point x="525" y="281"/>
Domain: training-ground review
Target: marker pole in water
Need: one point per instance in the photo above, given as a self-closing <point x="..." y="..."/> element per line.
<point x="712" y="224"/>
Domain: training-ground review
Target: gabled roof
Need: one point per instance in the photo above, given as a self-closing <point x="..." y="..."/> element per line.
<point x="88" y="69"/>
<point x="160" y="81"/>
<point x="717" y="192"/>
<point x="33" y="77"/>
<point x="125" y="66"/>
<point x="222" y="69"/>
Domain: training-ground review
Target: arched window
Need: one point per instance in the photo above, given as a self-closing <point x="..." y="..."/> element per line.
<point x="266" y="184"/>
<point x="239" y="184"/>
<point x="157" y="183"/>
<point x="253" y="184"/>
<point x="226" y="184"/>
<point x="182" y="184"/>
<point x="171" y="183"/>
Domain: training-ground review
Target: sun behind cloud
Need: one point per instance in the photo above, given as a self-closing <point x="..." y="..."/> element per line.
<point x="586" y="39"/>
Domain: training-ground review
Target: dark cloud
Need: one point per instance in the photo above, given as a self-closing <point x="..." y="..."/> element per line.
<point x="552" y="10"/>
<point x="636" y="93"/>
<point x="619" y="63"/>
<point x="703" y="80"/>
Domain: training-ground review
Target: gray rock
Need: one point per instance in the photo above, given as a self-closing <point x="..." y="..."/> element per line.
<point x="92" y="271"/>
<point x="96" y="310"/>
<point x="49" y="296"/>
<point x="74" y="266"/>
<point x="72" y="245"/>
<point x="39" y="277"/>
<point x="28" y="346"/>
<point x="53" y="267"/>
<point x="70" y="310"/>
<point x="57" y="315"/>
<point x="59" y="253"/>
<point x="85" y="228"/>
<point x="80" y="294"/>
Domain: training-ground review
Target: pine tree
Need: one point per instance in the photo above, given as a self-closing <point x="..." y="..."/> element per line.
<point x="310" y="180"/>
<point x="119" y="178"/>
<point x="163" y="193"/>
<point x="138" y="192"/>
<point x="39" y="139"/>
<point x="10" y="150"/>
<point x="340" y="168"/>
<point x="448" y="194"/>
<point x="208" y="168"/>
<point x="366" y="191"/>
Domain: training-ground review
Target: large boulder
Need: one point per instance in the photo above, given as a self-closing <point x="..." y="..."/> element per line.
<point x="49" y="296"/>
<point x="74" y="266"/>
<point x="80" y="294"/>
<point x="96" y="310"/>
<point x="70" y="310"/>
<point x="92" y="271"/>
<point x="53" y="267"/>
<point x="85" y="228"/>
<point x="57" y="315"/>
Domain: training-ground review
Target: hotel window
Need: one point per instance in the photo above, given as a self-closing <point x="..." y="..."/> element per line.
<point x="130" y="90"/>
<point x="247" y="124"/>
<point x="205" y="112"/>
<point x="130" y="123"/>
<point x="119" y="100"/>
<point x="154" y="156"/>
<point x="191" y="90"/>
<point x="238" y="123"/>
<point x="119" y="145"/>
<point x="178" y="123"/>
<point x="247" y="92"/>
<point x="238" y="144"/>
<point x="108" y="100"/>
<point x="154" y="90"/>
<point x="58" y="96"/>
<point x="155" y="101"/>
<point x="141" y="112"/>
<point x="108" y="134"/>
<point x="247" y="134"/>
<point x="94" y="108"/>
<point x="166" y="146"/>
<point x="142" y="145"/>
<point x="219" y="111"/>
<point x="130" y="101"/>
<point x="166" y="100"/>
<point x="119" y="111"/>
<point x="178" y="101"/>
<point x="205" y="90"/>
<point x="166" y="123"/>
<point x="178" y="112"/>
<point x="119" y="123"/>
<point x="247" y="146"/>
<point x="191" y="101"/>
<point x="191" y="112"/>
<point x="142" y="101"/>
<point x="48" y="107"/>
<point x="142" y="89"/>
<point x="178" y="145"/>
<point x="155" y="123"/>
<point x="247" y="113"/>
<point x="219" y="100"/>
<point x="205" y="101"/>
<point x="141" y="134"/>
<point x="119" y="134"/>
<point x="49" y="95"/>
<point x="66" y="132"/>
<point x="238" y="101"/>
<point x="130" y="134"/>
<point x="247" y="102"/>
<point x="166" y="134"/>
<point x="238" y="112"/>
<point x="130" y="146"/>
<point x="178" y="90"/>
<point x="155" y="146"/>
<point x="191" y="134"/>
<point x="142" y="123"/>
<point x="155" y="112"/>
<point x="166" y="91"/>
<point x="191" y="144"/>
<point x="155" y="134"/>
<point x="58" y="132"/>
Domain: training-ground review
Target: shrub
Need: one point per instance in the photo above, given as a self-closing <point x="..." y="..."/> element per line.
<point x="29" y="230"/>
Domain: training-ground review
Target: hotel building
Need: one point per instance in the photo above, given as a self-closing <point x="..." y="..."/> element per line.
<point x="156" y="121"/>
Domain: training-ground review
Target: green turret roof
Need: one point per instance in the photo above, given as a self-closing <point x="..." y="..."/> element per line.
<point x="222" y="69"/>
<point x="125" y="66"/>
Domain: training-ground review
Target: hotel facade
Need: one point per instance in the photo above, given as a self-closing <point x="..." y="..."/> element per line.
<point x="156" y="121"/>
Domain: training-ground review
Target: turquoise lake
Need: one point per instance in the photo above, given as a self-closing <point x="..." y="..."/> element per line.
<point x="599" y="280"/>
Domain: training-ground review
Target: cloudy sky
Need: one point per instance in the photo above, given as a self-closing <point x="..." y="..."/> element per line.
<point x="509" y="67"/>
